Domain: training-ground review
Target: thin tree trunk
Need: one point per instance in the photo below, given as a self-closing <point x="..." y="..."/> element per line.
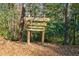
<point x="66" y="24"/>
<point x="74" y="31"/>
<point x="69" y="16"/>
<point x="21" y="25"/>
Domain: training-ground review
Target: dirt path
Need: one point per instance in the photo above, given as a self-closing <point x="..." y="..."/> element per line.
<point x="10" y="48"/>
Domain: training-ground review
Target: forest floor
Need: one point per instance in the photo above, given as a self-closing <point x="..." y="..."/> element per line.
<point x="12" y="48"/>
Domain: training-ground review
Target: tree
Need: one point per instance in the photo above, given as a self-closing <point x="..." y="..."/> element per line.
<point x="21" y="25"/>
<point x="66" y="23"/>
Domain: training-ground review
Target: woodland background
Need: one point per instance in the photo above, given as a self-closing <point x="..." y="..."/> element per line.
<point x="63" y="27"/>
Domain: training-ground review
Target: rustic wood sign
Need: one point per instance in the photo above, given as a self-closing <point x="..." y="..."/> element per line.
<point x="35" y="24"/>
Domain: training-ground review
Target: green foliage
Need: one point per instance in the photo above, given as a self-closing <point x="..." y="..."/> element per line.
<point x="9" y="21"/>
<point x="7" y="16"/>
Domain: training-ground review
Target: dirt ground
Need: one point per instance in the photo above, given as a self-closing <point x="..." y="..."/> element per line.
<point x="11" y="48"/>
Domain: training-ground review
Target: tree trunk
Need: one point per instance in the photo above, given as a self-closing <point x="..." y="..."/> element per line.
<point x="74" y="31"/>
<point x="21" y="25"/>
<point x="66" y="23"/>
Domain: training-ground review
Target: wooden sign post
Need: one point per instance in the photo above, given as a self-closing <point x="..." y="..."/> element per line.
<point x="35" y="24"/>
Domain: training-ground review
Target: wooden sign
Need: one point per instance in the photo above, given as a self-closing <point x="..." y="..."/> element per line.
<point x="35" y="24"/>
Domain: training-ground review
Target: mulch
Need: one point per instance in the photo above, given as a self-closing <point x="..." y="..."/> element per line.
<point x="12" y="48"/>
